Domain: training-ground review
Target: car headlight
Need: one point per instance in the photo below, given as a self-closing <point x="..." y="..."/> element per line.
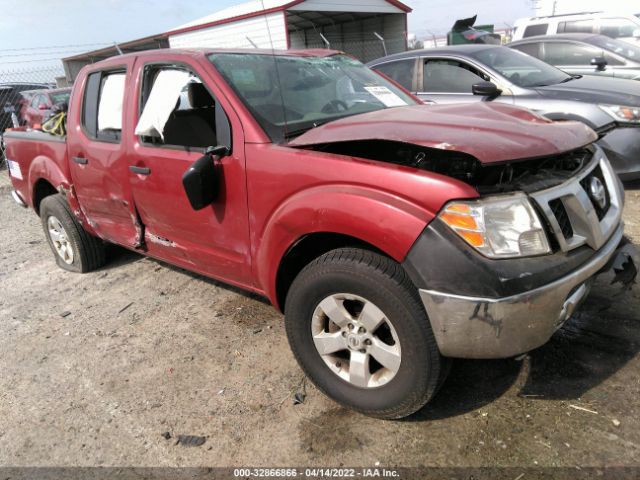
<point x="498" y="227"/>
<point x="622" y="113"/>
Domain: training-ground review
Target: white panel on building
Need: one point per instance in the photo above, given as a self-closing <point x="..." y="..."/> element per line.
<point x="374" y="6"/>
<point x="264" y="31"/>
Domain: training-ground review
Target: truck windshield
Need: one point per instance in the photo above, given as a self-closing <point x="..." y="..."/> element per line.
<point x="519" y="68"/>
<point x="289" y="95"/>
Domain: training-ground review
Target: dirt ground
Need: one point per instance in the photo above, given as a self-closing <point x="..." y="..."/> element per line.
<point x="95" y="368"/>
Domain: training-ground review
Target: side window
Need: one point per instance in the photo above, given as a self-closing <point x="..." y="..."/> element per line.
<point x="401" y="71"/>
<point x="37" y="101"/>
<point x="533" y="30"/>
<point x="102" y="105"/>
<point x="532" y="49"/>
<point x="450" y="76"/>
<point x="177" y="109"/>
<point x="577" y="26"/>
<point x="563" y="53"/>
<point x="618" y="27"/>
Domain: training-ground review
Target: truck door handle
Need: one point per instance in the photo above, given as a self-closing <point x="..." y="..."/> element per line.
<point x="80" y="160"/>
<point x="140" y="170"/>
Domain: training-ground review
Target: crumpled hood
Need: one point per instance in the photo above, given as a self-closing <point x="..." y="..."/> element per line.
<point x="596" y="89"/>
<point x="491" y="132"/>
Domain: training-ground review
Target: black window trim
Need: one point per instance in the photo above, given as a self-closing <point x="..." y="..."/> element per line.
<point x="144" y="71"/>
<point x="103" y="72"/>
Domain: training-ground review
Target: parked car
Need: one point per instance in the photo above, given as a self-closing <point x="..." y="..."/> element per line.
<point x="392" y="234"/>
<point x="624" y="27"/>
<point x="38" y="103"/>
<point x="11" y="101"/>
<point x="585" y="54"/>
<point x="488" y="73"/>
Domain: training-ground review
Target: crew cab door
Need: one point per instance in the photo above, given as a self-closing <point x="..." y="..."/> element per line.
<point x="214" y="240"/>
<point x="96" y="153"/>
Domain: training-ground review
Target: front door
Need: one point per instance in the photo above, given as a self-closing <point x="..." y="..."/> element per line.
<point x="215" y="240"/>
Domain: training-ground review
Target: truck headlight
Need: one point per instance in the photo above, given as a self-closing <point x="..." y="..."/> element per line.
<point x="498" y="227"/>
<point x="622" y="113"/>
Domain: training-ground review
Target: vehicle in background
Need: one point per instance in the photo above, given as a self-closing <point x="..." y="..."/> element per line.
<point x="37" y="104"/>
<point x="463" y="32"/>
<point x="307" y="178"/>
<point x="624" y="27"/>
<point x="11" y="101"/>
<point x="490" y="73"/>
<point x="584" y="54"/>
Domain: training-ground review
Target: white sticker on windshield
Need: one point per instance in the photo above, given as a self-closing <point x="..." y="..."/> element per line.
<point x="386" y="96"/>
<point x="14" y="169"/>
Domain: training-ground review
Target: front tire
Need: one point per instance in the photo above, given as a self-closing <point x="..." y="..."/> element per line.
<point x="357" y="328"/>
<point x="74" y="249"/>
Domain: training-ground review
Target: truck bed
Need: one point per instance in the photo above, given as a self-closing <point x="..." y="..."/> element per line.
<point x="29" y="155"/>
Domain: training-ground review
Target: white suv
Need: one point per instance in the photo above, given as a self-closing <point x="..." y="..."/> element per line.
<point x="624" y="27"/>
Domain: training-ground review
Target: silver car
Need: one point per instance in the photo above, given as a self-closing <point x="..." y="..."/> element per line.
<point x="490" y="73"/>
<point x="585" y="54"/>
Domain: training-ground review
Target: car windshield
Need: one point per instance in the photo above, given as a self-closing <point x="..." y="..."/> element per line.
<point x="60" y="97"/>
<point x="289" y="95"/>
<point x="624" y="49"/>
<point x="519" y="68"/>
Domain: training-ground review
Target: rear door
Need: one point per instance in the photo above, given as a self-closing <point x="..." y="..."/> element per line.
<point x="96" y="155"/>
<point x="214" y="240"/>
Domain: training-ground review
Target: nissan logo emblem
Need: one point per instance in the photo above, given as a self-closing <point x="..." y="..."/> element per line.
<point x="597" y="192"/>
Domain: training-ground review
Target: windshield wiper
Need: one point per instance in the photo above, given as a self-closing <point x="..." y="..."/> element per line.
<point x="300" y="131"/>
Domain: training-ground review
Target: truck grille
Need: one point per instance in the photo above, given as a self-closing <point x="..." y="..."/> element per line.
<point x="585" y="209"/>
<point x="557" y="207"/>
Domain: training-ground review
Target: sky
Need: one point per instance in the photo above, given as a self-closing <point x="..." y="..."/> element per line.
<point x="74" y="26"/>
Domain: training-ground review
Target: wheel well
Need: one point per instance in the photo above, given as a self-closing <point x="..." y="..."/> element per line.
<point x="41" y="190"/>
<point x="307" y="249"/>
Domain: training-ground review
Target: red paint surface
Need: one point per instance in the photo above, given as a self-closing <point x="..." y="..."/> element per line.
<point x="272" y="195"/>
<point x="491" y="132"/>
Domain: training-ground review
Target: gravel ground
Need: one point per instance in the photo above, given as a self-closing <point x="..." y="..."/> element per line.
<point x="96" y="368"/>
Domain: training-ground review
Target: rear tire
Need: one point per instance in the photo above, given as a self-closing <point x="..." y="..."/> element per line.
<point x="376" y="324"/>
<point x="74" y="249"/>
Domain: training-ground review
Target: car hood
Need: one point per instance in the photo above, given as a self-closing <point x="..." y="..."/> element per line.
<point x="490" y="132"/>
<point x="595" y="89"/>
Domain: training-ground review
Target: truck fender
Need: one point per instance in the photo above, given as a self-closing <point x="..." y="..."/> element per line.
<point x="387" y="221"/>
<point x="44" y="168"/>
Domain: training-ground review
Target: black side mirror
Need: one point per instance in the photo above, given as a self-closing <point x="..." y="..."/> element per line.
<point x="599" y="62"/>
<point x="486" y="89"/>
<point x="202" y="181"/>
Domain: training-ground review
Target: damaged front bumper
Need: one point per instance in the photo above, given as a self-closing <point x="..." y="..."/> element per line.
<point x="480" y="327"/>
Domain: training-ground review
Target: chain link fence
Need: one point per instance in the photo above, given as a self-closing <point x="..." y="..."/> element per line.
<point x="26" y="96"/>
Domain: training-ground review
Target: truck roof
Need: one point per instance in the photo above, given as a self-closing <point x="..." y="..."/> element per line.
<point x="197" y="52"/>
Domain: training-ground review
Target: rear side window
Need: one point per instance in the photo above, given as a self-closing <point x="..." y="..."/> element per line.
<point x="401" y="71"/>
<point x="102" y="105"/>
<point x="577" y="26"/>
<point x="532" y="49"/>
<point x="533" y="30"/>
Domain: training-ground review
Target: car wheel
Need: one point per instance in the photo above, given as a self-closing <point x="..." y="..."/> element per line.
<point x="357" y="328"/>
<point x="74" y="249"/>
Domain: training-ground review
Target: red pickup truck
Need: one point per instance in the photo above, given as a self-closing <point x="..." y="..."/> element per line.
<point x="393" y="235"/>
